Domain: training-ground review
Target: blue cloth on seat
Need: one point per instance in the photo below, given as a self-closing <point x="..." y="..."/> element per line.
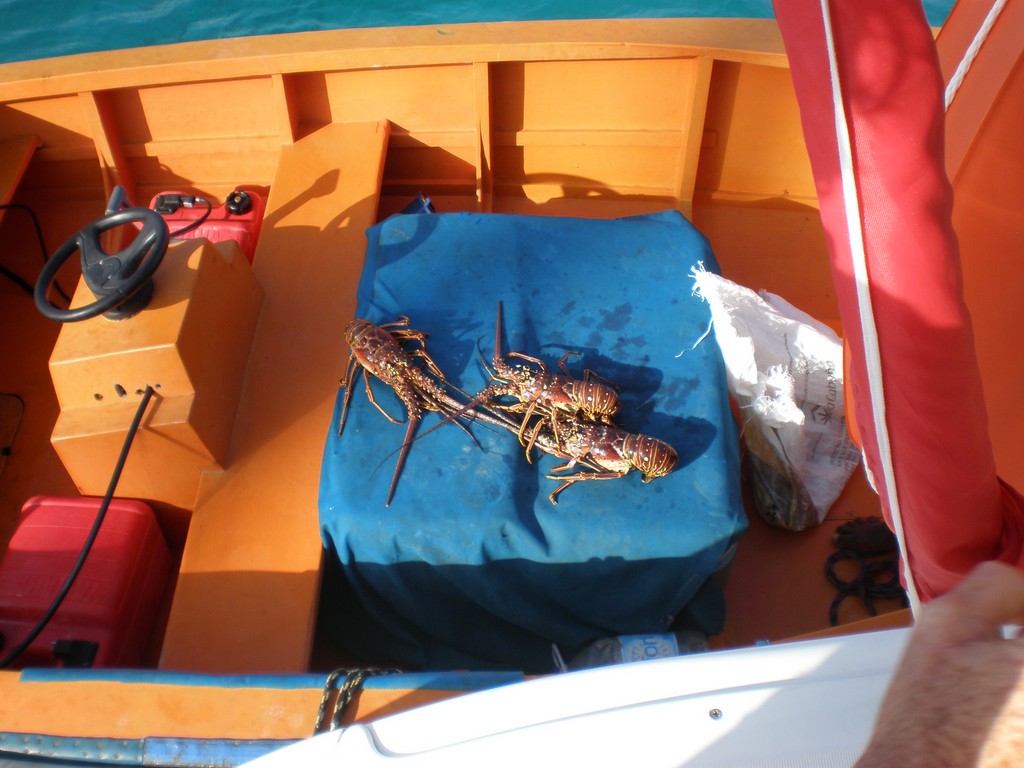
<point x="471" y="566"/>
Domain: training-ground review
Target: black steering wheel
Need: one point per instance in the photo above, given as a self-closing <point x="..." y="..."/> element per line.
<point x="121" y="282"/>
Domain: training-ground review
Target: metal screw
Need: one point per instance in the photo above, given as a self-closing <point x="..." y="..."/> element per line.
<point x="716" y="714"/>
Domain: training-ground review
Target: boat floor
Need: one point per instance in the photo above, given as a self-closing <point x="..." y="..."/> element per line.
<point x="776" y="587"/>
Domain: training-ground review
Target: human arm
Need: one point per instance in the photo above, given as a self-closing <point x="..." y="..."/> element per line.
<point x="957" y="697"/>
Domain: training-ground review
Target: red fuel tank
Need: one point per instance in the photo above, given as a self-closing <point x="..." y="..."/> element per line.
<point x="238" y="218"/>
<point x="116" y="597"/>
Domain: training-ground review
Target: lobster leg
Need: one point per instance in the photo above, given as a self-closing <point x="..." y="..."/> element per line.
<point x="588" y="374"/>
<point x="402" y="322"/>
<point x="532" y="440"/>
<point x="530" y="359"/>
<point x="370" y="397"/>
<point x="522" y="429"/>
<point x="552" y="446"/>
<point x="402" y="332"/>
<point x="569" y="480"/>
<point x="561" y="363"/>
<point x="422" y="353"/>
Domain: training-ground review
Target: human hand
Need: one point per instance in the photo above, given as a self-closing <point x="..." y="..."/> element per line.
<point x="957" y="698"/>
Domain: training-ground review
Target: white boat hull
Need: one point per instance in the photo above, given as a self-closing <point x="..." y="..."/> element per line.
<point x="808" y="703"/>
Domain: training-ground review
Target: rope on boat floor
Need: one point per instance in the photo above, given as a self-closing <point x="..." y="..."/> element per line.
<point x="353" y="683"/>
<point x="877" y="578"/>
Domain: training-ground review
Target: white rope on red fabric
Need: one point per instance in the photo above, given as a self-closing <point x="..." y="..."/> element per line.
<point x="972" y="51"/>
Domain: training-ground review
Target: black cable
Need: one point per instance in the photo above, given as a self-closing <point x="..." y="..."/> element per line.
<point x="90" y="539"/>
<point x="17" y="280"/>
<point x="42" y="247"/>
<point x="198" y="222"/>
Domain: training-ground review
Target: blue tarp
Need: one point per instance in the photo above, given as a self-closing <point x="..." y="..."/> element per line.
<point x="471" y="566"/>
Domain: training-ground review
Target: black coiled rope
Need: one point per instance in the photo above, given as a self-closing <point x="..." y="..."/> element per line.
<point x="876" y="579"/>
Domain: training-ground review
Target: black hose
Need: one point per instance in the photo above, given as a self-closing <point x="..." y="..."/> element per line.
<point x="101" y="513"/>
<point x="42" y="247"/>
<point x="15" y="278"/>
<point x="197" y="222"/>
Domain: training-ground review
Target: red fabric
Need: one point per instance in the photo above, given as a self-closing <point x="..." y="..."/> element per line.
<point x="955" y="511"/>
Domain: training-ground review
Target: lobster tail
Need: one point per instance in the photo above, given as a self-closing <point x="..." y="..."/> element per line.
<point x="651" y="456"/>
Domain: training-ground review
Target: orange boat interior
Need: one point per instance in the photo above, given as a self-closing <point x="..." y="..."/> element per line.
<point x="340" y="149"/>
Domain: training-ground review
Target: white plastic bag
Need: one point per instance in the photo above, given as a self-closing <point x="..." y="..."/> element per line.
<point x="785" y="372"/>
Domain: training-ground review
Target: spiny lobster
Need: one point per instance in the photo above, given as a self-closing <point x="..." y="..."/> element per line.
<point x="609" y="451"/>
<point x="377" y="350"/>
<point x="536" y="390"/>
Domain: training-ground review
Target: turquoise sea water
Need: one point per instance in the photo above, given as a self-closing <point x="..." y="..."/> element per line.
<point x="33" y="30"/>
